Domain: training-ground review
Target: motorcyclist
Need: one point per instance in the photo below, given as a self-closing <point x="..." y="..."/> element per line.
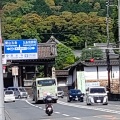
<point x="48" y="101"/>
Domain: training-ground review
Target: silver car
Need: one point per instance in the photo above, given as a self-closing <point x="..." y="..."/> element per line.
<point x="96" y="95"/>
<point x="60" y="92"/>
<point x="19" y="92"/>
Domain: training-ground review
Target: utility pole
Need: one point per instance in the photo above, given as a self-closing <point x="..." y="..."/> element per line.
<point x="119" y="38"/>
<point x="2" y="114"/>
<point x="107" y="50"/>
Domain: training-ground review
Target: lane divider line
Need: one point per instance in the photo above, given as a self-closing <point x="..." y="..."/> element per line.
<point x="87" y="107"/>
<point x="66" y="115"/>
<point x="54" y="112"/>
<point x="57" y="112"/>
<point x="76" y="118"/>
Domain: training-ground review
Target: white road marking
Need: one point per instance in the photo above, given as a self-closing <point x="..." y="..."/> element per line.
<point x="57" y="112"/>
<point x="76" y="118"/>
<point x="66" y="115"/>
<point x="87" y="107"/>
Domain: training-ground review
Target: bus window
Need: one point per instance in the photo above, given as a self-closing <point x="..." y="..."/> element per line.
<point x="46" y="82"/>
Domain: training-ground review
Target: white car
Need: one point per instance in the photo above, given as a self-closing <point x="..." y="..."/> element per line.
<point x="9" y="96"/>
<point x="96" y="95"/>
<point x="60" y="92"/>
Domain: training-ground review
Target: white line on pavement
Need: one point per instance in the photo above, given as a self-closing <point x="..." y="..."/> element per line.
<point x="57" y="112"/>
<point x="76" y="118"/>
<point x="87" y="107"/>
<point x="66" y="115"/>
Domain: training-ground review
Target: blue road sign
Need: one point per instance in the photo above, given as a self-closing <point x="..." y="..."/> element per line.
<point x="21" y="49"/>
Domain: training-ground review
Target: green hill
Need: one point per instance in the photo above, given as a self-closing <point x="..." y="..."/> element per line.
<point x="71" y="21"/>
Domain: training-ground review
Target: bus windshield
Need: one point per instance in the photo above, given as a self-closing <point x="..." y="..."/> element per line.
<point x="46" y="82"/>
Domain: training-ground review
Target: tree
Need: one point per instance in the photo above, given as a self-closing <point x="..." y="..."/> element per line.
<point x="93" y="52"/>
<point x="65" y="56"/>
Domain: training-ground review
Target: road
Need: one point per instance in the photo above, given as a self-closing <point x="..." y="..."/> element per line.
<point x="27" y="110"/>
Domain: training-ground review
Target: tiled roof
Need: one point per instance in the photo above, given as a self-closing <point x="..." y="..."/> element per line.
<point x="61" y="72"/>
<point x="100" y="63"/>
<point x="95" y="63"/>
<point x="47" y="50"/>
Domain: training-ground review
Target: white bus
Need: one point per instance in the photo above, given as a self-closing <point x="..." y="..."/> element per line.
<point x="42" y="86"/>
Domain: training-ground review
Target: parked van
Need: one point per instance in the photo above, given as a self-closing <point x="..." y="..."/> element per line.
<point x="19" y="92"/>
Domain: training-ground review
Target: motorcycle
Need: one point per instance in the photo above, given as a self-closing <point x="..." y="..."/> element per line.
<point x="48" y="106"/>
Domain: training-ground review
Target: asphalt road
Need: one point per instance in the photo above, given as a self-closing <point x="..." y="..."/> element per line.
<point x="27" y="110"/>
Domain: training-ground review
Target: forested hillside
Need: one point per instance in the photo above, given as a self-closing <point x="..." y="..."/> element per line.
<point x="73" y="22"/>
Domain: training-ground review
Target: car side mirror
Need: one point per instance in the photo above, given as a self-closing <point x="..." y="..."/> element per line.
<point x="107" y="92"/>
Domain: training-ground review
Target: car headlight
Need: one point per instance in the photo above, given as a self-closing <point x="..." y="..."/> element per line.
<point x="70" y="96"/>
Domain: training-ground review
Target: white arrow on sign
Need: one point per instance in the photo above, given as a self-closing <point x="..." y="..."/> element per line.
<point x="11" y="48"/>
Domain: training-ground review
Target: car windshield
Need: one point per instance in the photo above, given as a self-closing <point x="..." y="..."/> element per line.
<point x="59" y="89"/>
<point x="46" y="82"/>
<point x="75" y="91"/>
<point x="8" y="92"/>
<point x="97" y="90"/>
<point x="22" y="89"/>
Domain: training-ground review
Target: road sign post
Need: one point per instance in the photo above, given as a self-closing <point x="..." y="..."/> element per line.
<point x="21" y="49"/>
<point x="15" y="74"/>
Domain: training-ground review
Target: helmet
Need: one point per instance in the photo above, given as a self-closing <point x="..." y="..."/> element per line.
<point x="48" y="94"/>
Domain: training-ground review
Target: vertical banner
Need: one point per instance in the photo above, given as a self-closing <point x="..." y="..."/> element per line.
<point x="81" y="81"/>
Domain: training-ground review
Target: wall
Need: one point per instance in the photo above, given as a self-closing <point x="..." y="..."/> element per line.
<point x="102" y="73"/>
<point x="91" y="76"/>
<point x="74" y="75"/>
<point x="90" y="73"/>
<point x="61" y="81"/>
<point x="69" y="80"/>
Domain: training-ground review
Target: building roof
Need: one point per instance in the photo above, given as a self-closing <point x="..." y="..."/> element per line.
<point x="103" y="47"/>
<point x="95" y="63"/>
<point x="100" y="63"/>
<point x="53" y="40"/>
<point x="46" y="50"/>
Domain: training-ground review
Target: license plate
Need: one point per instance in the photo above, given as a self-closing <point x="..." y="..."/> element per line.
<point x="98" y="100"/>
<point x="76" y="98"/>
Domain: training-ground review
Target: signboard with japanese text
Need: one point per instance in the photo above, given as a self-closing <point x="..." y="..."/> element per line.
<point x="21" y="49"/>
<point x="14" y="70"/>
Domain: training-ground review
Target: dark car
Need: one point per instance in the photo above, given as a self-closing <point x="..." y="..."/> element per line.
<point x="75" y="95"/>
